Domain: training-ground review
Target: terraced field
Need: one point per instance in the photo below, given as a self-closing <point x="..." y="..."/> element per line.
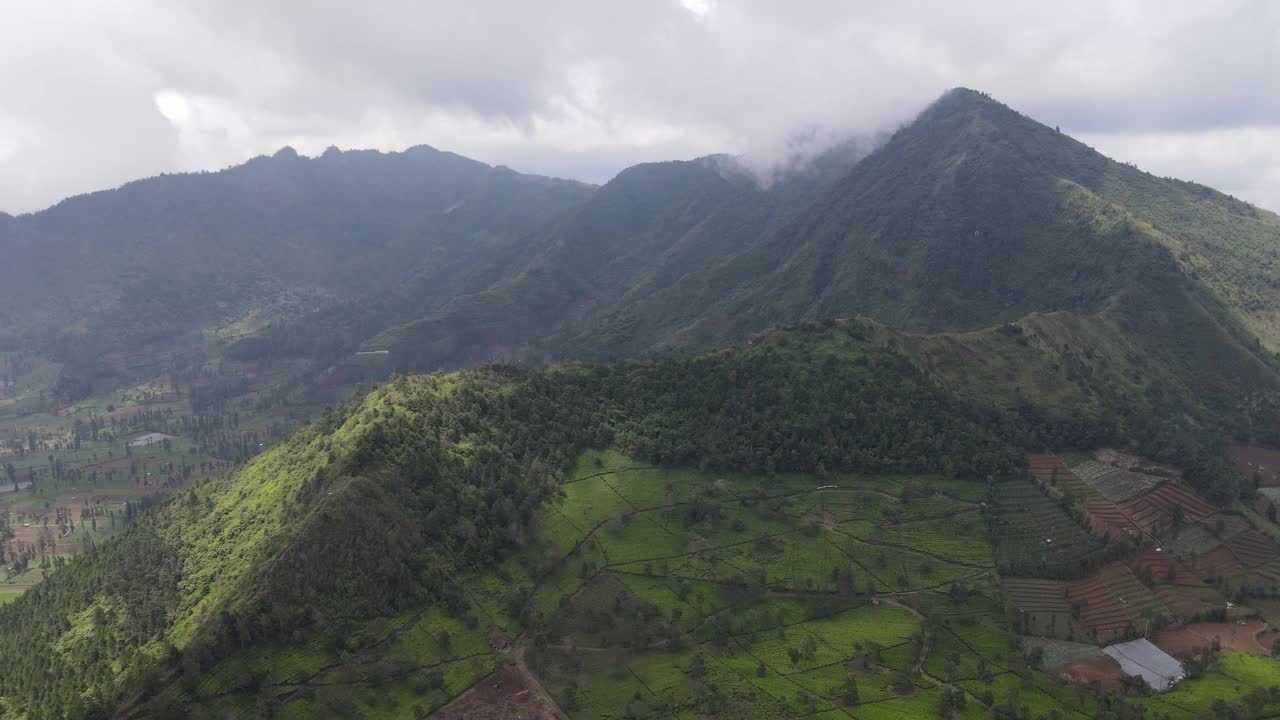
<point x="1193" y="541"/>
<point x="1219" y="563"/>
<point x="1112" y="602"/>
<point x="1054" y="475"/>
<point x="1106" y="518"/>
<point x="1113" y="483"/>
<point x="1162" y="567"/>
<point x="778" y="602"/>
<point x="1042" y="607"/>
<point x="1038" y="538"/>
<point x="1155" y="511"/>
<point x="1258" y="553"/>
<point x="676" y="594"/>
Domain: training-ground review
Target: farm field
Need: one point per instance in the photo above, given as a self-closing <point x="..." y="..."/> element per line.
<point x="71" y="474"/>
<point x="673" y="593"/>
<point x="1053" y="474"/>
<point x="1257" y="462"/>
<point x="1039" y="537"/>
<point x="1113" y="483"/>
<point x="1156" y="510"/>
<point x="655" y="593"/>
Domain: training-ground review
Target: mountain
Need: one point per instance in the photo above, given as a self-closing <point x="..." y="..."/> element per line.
<point x="970" y="216"/>
<point x="173" y="254"/>
<point x="638" y="234"/>
<point x="802" y="494"/>
<point x="390" y="503"/>
<point x="346" y="556"/>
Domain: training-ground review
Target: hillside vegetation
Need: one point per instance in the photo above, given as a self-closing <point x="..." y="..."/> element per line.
<point x="971" y="216"/>
<point x="269" y="239"/>
<point x="378" y="507"/>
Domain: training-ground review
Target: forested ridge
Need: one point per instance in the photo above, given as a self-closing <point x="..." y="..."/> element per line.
<point x="376" y="506"/>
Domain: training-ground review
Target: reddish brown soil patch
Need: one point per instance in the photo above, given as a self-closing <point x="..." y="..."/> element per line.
<point x="1253" y="549"/>
<point x="1156" y="508"/>
<point x="1105" y="518"/>
<point x="1045" y="467"/>
<point x="1218" y="563"/>
<point x="1185" y="640"/>
<point x="515" y="696"/>
<point x="825" y="517"/>
<point x="1269" y="608"/>
<point x="1101" y="669"/>
<point x="1109" y="600"/>
<point x="1163" y="568"/>
<point x="1264" y="461"/>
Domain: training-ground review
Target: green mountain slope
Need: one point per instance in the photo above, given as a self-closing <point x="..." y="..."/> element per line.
<point x="381" y="507"/>
<point x="266" y="239"/>
<point x="971" y="216"/>
<point x="975" y="215"/>
<point x="390" y="506"/>
<point x="591" y="271"/>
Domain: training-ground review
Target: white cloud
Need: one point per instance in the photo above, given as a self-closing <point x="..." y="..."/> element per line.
<point x="1244" y="162"/>
<point x="99" y="93"/>
<point x="700" y="8"/>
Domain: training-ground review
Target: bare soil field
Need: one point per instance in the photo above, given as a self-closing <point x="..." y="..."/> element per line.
<point x="1101" y="669"/>
<point x="1218" y="563"/>
<point x="1264" y="461"/>
<point x="515" y="695"/>
<point x="1184" y="640"/>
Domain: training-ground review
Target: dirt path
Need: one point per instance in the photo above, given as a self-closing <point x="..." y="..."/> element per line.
<point x="514" y="693"/>
<point x="919" y="668"/>
<point x="909" y="550"/>
<point x="558" y="714"/>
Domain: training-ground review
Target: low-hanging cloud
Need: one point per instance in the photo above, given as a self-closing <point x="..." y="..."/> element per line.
<point x="100" y="93"/>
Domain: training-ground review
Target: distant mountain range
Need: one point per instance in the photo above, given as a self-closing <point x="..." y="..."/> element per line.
<point x="970" y="217"/>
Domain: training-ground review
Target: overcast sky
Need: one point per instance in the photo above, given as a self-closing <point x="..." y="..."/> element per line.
<point x="95" y="94"/>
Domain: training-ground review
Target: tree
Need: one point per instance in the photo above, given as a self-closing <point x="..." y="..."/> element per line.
<point x="848" y="692"/>
<point x="697" y="667"/>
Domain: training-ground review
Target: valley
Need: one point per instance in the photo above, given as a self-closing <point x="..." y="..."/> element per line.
<point x="969" y="422"/>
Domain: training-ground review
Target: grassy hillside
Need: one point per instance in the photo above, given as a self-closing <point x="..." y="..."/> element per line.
<point x="379" y="507"/>
<point x="332" y="560"/>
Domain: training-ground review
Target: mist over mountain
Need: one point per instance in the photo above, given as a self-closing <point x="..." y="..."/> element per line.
<point x="730" y="409"/>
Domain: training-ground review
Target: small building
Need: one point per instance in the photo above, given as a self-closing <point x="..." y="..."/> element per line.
<point x="149" y="439"/>
<point x="1140" y="657"/>
<point x="499" y="645"/>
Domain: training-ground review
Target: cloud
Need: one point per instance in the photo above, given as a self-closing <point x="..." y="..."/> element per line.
<point x="1244" y="162"/>
<point x="99" y="93"/>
